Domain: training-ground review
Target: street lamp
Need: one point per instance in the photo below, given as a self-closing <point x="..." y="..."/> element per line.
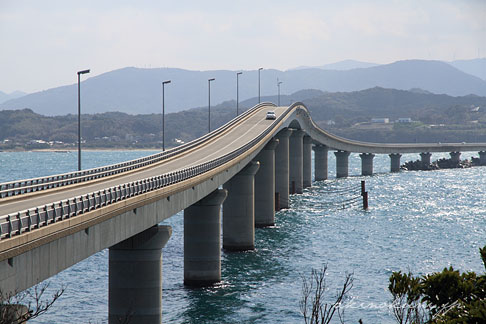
<point x="259" y="84"/>
<point x="79" y="117"/>
<point x="163" y="113"/>
<point x="278" y="86"/>
<point x="209" y="104"/>
<point x="237" y="91"/>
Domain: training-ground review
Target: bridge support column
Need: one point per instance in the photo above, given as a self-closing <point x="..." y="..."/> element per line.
<point x="367" y="163"/>
<point x="455" y="157"/>
<point x="395" y="162"/>
<point x="282" y="168"/>
<point x="239" y="210"/>
<point x="482" y="157"/>
<point x="320" y="162"/>
<point x="296" y="153"/>
<point x="135" y="277"/>
<point x="202" y="240"/>
<point x="342" y="158"/>
<point x="265" y="186"/>
<point x="425" y="156"/>
<point x="307" y="162"/>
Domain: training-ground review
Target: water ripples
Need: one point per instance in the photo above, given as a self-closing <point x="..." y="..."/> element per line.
<point x="417" y="221"/>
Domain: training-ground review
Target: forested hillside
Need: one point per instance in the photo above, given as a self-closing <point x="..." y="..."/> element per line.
<point x="348" y="114"/>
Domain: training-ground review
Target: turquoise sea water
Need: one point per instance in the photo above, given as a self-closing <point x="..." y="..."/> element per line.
<point x="417" y="221"/>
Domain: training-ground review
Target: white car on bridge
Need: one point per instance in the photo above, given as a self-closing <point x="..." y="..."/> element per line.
<point x="271" y="115"/>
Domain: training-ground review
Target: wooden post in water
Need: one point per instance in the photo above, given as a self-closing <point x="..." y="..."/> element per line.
<point x="364" y="194"/>
<point x="365" y="200"/>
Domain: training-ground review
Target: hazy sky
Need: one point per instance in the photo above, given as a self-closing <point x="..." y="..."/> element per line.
<point x="43" y="43"/>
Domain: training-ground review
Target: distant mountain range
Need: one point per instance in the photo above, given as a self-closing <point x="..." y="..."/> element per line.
<point x="465" y="116"/>
<point x="340" y="66"/>
<point x="138" y="91"/>
<point x="476" y="67"/>
<point x="8" y="96"/>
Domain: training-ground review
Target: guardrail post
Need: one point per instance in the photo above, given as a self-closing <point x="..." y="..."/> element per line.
<point x="38" y="217"/>
<point x="54" y="214"/>
<point x="9" y="220"/>
<point x="75" y="206"/>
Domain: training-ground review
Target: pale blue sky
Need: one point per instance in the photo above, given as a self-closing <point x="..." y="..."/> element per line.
<point x="43" y="43"/>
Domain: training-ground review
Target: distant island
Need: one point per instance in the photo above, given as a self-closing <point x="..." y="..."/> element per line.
<point x="374" y="115"/>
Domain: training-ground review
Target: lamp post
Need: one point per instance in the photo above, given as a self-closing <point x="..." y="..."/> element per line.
<point x="237" y="91"/>
<point x="209" y="104"/>
<point x="278" y="86"/>
<point x="79" y="117"/>
<point x="163" y="113"/>
<point x="259" y="84"/>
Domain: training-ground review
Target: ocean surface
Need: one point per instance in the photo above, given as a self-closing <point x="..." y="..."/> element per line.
<point x="417" y="221"/>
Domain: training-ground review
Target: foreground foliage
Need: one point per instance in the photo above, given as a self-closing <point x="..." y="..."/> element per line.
<point x="447" y="297"/>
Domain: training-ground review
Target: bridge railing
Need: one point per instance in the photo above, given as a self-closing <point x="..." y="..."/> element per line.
<point x="34" y="218"/>
<point x="14" y="188"/>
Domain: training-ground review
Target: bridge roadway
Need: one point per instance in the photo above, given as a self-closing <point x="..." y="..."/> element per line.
<point x="125" y="219"/>
<point x="224" y="144"/>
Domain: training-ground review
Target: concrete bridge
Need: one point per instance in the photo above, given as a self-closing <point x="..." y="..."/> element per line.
<point x="247" y="167"/>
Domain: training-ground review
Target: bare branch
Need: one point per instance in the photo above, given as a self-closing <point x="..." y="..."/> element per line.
<point x="314" y="309"/>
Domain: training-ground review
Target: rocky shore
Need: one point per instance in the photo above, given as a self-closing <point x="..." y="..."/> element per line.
<point x="439" y="164"/>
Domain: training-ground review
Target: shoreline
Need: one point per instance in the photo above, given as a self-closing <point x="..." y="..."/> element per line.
<point x="53" y="150"/>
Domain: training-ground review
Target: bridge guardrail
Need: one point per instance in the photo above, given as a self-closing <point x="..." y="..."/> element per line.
<point x="14" y="188"/>
<point x="34" y="218"/>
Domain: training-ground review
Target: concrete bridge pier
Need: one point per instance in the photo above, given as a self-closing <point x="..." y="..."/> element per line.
<point x="482" y="157"/>
<point x="282" y="167"/>
<point x="320" y="162"/>
<point x="307" y="161"/>
<point x="296" y="162"/>
<point x="202" y="240"/>
<point x="366" y="163"/>
<point x="239" y="210"/>
<point x="342" y="158"/>
<point x="395" y="162"/>
<point x="425" y="157"/>
<point x="265" y="186"/>
<point x="455" y="157"/>
<point x="135" y="277"/>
